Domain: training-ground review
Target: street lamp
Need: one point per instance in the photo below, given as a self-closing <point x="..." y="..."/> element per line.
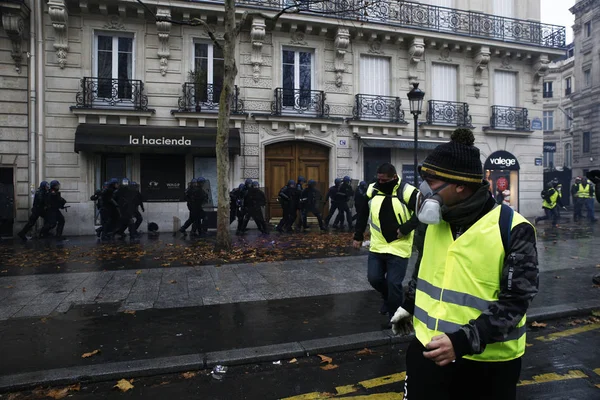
<point x="415" y="99"/>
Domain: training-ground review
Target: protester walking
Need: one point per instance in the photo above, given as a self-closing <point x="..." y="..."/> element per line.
<point x="390" y="204"/>
<point x="470" y="293"/>
<point x="551" y="202"/>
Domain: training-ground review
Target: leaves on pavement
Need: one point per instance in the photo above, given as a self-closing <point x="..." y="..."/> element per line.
<point x="536" y="324"/>
<point x="124" y="385"/>
<point x="132" y="312"/>
<point x="328" y="367"/>
<point x="293" y="361"/>
<point x="90" y="354"/>
<point x="365" y="352"/>
<point x="54" y="393"/>
<point x="325" y="359"/>
<point x="189" y="375"/>
<point x="139" y="271"/>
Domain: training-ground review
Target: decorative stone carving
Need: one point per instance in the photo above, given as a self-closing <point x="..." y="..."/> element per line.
<point x="251" y="128"/>
<point x="333" y="87"/>
<point x="343" y="172"/>
<point x="343" y="132"/>
<point x="250" y="150"/>
<point x="257" y="35"/>
<point x="506" y="63"/>
<point x="264" y="83"/>
<point x="445" y="55"/>
<point x="342" y="40"/>
<point x="251" y="173"/>
<point x="415" y="54"/>
<point x="114" y="23"/>
<point x="163" y="27"/>
<point x="59" y="15"/>
<point x="482" y="59"/>
<point x="375" y="47"/>
<point x="14" y="15"/>
<point x="540" y="69"/>
<point x="344" y="153"/>
<point x="298" y="38"/>
<point x="300" y="129"/>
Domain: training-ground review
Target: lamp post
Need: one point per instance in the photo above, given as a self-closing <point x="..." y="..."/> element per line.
<point x="415" y="99"/>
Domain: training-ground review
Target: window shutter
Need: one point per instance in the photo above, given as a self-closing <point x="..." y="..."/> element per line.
<point x="375" y="75"/>
<point x="444" y="82"/>
<point x="504" y="8"/>
<point x="505" y="89"/>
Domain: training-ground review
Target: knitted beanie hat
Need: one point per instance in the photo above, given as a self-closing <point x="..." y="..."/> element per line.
<point x="457" y="161"/>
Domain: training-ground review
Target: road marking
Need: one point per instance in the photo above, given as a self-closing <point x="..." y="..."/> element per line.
<point x="597" y="371"/>
<point x="377" y="396"/>
<point x="569" y="332"/>
<point x="553" y="377"/>
<point x="347" y="389"/>
<point x="383" y="380"/>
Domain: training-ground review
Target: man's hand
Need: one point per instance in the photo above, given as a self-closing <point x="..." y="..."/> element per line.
<point x="400" y="235"/>
<point x="356" y="244"/>
<point x="440" y="350"/>
<point x="401" y="322"/>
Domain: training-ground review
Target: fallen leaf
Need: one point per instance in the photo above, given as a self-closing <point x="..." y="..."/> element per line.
<point x="364" y="352"/>
<point x="83" y="290"/>
<point x="139" y="271"/>
<point x="9" y="287"/>
<point x="328" y="367"/>
<point x="528" y="345"/>
<point x="305" y="322"/>
<point x="538" y="324"/>
<point x="5" y="270"/>
<point x="173" y="281"/>
<point x="574" y="257"/>
<point x="217" y="288"/>
<point x="165" y="265"/>
<point x="58" y="393"/>
<point x="189" y="375"/>
<point x="124" y="385"/>
<point x="43" y="320"/>
<point x="325" y="359"/>
<point x="293" y="361"/>
<point x="93" y="353"/>
<point x="557" y="277"/>
<point x="596" y="313"/>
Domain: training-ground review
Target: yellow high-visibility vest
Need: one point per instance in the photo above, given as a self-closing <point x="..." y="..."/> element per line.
<point x="552" y="203"/>
<point x="401" y="247"/>
<point x="457" y="281"/>
<point x="583" y="192"/>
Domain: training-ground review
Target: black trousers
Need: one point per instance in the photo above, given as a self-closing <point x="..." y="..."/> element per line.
<point x="343" y="209"/>
<point x="315" y="211"/>
<point x="256" y="214"/>
<point x="334" y="206"/>
<point x="138" y="219"/>
<point x="110" y="221"/>
<point x="461" y="380"/>
<point x="54" y="218"/>
<point x="30" y="222"/>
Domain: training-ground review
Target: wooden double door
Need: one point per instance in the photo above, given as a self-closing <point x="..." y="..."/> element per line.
<point x="288" y="160"/>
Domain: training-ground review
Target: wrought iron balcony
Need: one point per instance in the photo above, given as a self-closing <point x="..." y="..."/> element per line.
<point x="548" y="95"/>
<point x="108" y="92"/>
<point x="511" y="118"/>
<point x="199" y="97"/>
<point x="451" y="113"/>
<point x="567" y="91"/>
<point x="378" y="108"/>
<point x="429" y="17"/>
<point x="299" y="101"/>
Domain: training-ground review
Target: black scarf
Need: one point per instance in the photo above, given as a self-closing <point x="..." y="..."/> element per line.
<point x="469" y="211"/>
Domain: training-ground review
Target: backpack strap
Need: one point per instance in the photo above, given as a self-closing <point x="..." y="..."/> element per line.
<point x="505" y="222"/>
<point x="400" y="192"/>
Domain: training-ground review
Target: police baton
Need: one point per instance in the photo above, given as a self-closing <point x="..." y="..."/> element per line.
<point x="65" y="208"/>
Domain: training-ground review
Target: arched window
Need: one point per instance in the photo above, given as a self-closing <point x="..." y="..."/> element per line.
<point x="568" y="155"/>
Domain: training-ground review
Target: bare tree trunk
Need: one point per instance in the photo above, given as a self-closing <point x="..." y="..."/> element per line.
<point x="223" y="234"/>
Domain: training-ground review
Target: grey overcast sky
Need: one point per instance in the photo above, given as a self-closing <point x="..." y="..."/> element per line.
<point x="557" y="12"/>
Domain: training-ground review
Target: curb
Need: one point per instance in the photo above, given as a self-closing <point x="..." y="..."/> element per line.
<point x="175" y="364"/>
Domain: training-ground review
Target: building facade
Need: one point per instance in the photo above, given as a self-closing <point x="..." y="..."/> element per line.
<point x="319" y="93"/>
<point x="586" y="96"/>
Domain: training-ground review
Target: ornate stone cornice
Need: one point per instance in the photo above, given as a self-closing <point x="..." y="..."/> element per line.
<point x="257" y="37"/>
<point x="59" y="15"/>
<point x="13" y="21"/>
<point x="481" y="60"/>
<point x="415" y="54"/>
<point x="163" y="28"/>
<point x="583" y="6"/>
<point x="341" y="43"/>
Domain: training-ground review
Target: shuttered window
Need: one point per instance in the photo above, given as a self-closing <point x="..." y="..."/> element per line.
<point x="375" y="75"/>
<point x="505" y="89"/>
<point x="444" y="82"/>
<point x="504" y="8"/>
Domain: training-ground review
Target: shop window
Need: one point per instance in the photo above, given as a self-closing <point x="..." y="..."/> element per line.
<point x="548" y="121"/>
<point x="586" y="142"/>
<point x="548" y="160"/>
<point x="162" y="177"/>
<point x="113" y="167"/>
<point x="206" y="167"/>
<point x="208" y="72"/>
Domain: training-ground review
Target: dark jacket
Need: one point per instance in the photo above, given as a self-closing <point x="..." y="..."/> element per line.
<point x="344" y="193"/>
<point x="138" y="200"/>
<point x="289" y="197"/>
<point x="108" y="200"/>
<point x="125" y="198"/>
<point x="360" y="197"/>
<point x="518" y="286"/>
<point x="331" y="194"/>
<point x="97" y="197"/>
<point x="39" y="202"/>
<point x="255" y="198"/>
<point x="54" y="201"/>
<point x="310" y="198"/>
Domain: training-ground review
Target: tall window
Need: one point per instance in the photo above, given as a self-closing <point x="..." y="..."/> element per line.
<point x="587" y="78"/>
<point x="548" y="120"/>
<point x="444" y="82"/>
<point x="208" y="72"/>
<point x="505" y="88"/>
<point x="375" y="75"/>
<point x="114" y="65"/>
<point x="548" y="159"/>
<point x="547" y="89"/>
<point x="587" y="27"/>
<point x="297" y="77"/>
<point x="586" y="142"/>
<point x="568" y="118"/>
<point x="113" y="166"/>
<point x="568" y="155"/>
<point x="568" y="87"/>
<point x="504" y="8"/>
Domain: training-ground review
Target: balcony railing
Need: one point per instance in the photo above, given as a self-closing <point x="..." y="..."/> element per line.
<point x="300" y="101"/>
<point x="451" y="113"/>
<point x="428" y="17"/>
<point x="511" y="118"/>
<point x="378" y="108"/>
<point x="548" y="95"/>
<point x="108" y="92"/>
<point x="568" y="91"/>
<point x="198" y="97"/>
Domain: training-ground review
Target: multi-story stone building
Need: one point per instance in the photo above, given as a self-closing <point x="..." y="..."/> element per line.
<point x="586" y="94"/>
<point x="558" y="113"/>
<point x="321" y="95"/>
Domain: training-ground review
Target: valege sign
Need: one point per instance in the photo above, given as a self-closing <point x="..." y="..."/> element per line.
<point x="159" y="141"/>
<point x="503" y="162"/>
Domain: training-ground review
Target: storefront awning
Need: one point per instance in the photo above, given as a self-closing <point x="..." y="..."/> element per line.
<point x="97" y="138"/>
<point x="502" y="160"/>
<point x="399" y="143"/>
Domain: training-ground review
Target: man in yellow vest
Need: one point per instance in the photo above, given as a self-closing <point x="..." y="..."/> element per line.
<point x="389" y="202"/>
<point x="551" y="201"/>
<point x="586" y="194"/>
<point x="476" y="278"/>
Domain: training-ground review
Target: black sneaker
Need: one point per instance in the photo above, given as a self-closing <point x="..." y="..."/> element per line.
<point x="22" y="236"/>
<point x="383" y="310"/>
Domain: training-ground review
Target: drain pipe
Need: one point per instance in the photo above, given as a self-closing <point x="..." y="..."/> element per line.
<point x="31" y="69"/>
<point x="39" y="37"/>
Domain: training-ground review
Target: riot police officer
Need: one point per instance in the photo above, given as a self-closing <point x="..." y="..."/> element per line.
<point x="54" y="218"/>
<point x="288" y="199"/>
<point x="298" y="217"/>
<point x="109" y="213"/>
<point x="97" y="198"/>
<point x="139" y="203"/>
<point x="255" y="200"/>
<point x="343" y="196"/>
<point x="331" y="195"/>
<point x="199" y="198"/>
<point x="125" y="198"/>
<point x="37" y="210"/>
<point x="310" y="198"/>
<point x="189" y="198"/>
<point x="360" y="197"/>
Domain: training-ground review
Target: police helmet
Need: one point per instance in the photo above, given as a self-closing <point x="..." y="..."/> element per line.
<point x="346" y="179"/>
<point x="291" y="182"/>
<point x="248" y="182"/>
<point x="54" y="184"/>
<point x="301" y="179"/>
<point x="241" y="186"/>
<point x="362" y="184"/>
<point x="44" y="185"/>
<point x="337" y="181"/>
<point x="201" y="179"/>
<point x="311" y="182"/>
<point x="125" y="182"/>
<point x="255" y="184"/>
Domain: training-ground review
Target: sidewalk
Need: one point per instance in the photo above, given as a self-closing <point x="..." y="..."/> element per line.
<point x="193" y="317"/>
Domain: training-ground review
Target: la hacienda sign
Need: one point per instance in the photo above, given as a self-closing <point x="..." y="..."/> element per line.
<point x="160" y="141"/>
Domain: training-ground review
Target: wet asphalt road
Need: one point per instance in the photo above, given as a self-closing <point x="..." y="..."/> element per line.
<point x="562" y="362"/>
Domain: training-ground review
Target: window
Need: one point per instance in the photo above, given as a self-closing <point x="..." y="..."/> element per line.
<point x="504" y="8"/>
<point x="297" y="77"/>
<point x="208" y="71"/>
<point x="547" y="89"/>
<point x="568" y="118"/>
<point x="587" y="78"/>
<point x="568" y="155"/>
<point x="586" y="142"/>
<point x="548" y="160"/>
<point x="587" y="27"/>
<point x="571" y="53"/>
<point x="548" y="121"/>
<point x="568" y="87"/>
<point x="162" y="177"/>
<point x="375" y="75"/>
<point x="505" y="89"/>
<point x="113" y="167"/>
<point x="114" y="65"/>
<point x="444" y="82"/>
